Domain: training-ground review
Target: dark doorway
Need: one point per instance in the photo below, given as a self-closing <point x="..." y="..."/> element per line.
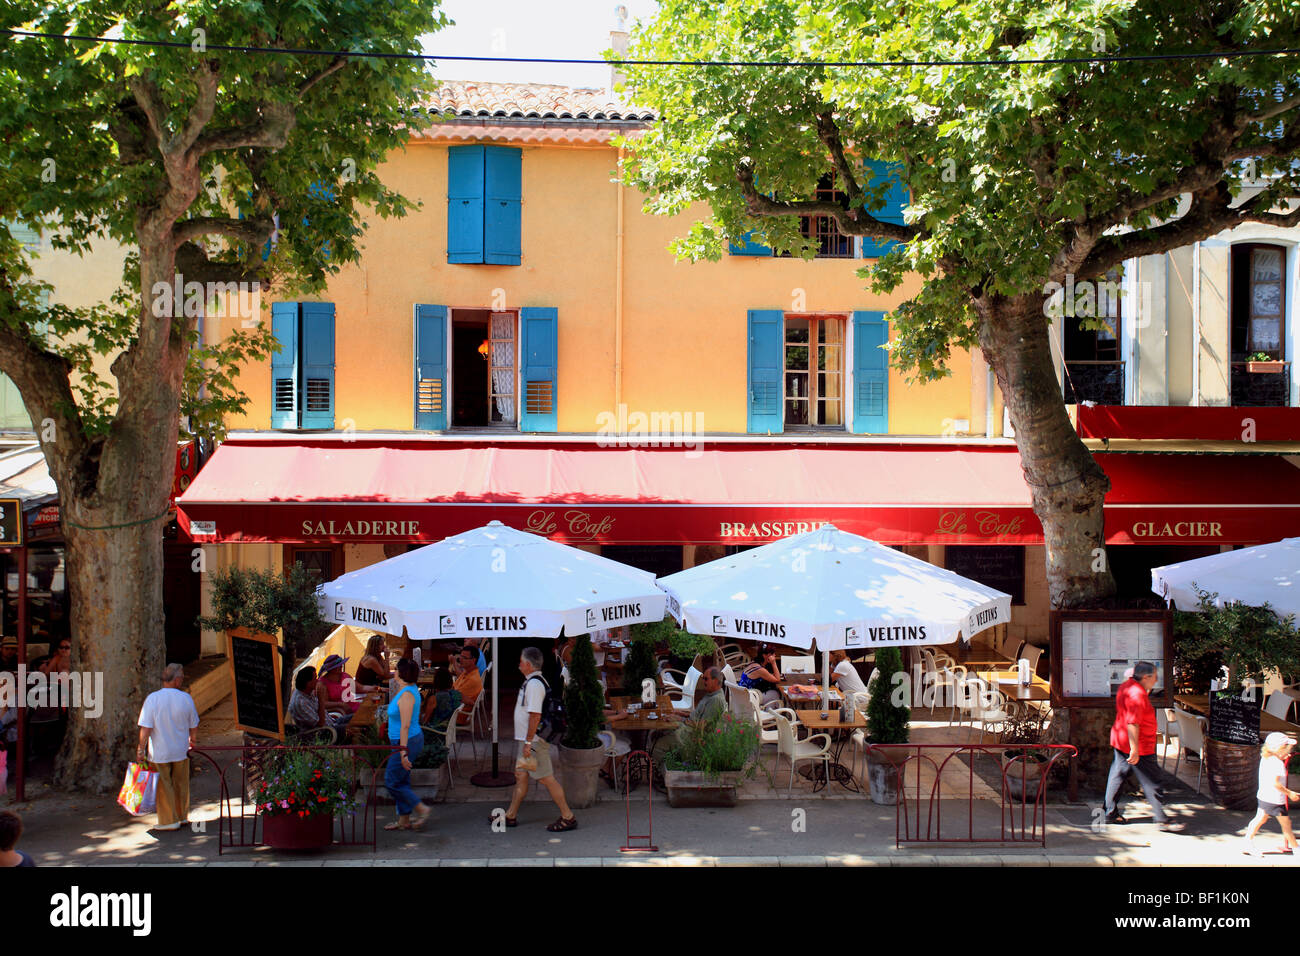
<point x="182" y="602"/>
<point x="658" y="559"/>
<point x="469" y="372"/>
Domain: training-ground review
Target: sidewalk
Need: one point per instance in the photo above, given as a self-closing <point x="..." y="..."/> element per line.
<point x="804" y="830"/>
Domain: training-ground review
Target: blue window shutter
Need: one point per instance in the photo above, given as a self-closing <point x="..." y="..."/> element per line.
<point x="870" y="374"/>
<point x="896" y="196"/>
<point x="431" y="367"/>
<point x="539" y="341"/>
<point x="317" y="365"/>
<point x="503" y="194"/>
<point x="465" y="204"/>
<point x="284" y="365"/>
<point x="766" y="369"/>
<point x="748" y="247"/>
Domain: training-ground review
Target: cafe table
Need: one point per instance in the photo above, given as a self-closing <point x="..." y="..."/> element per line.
<point x="640" y="725"/>
<point x="977" y="658"/>
<point x="1200" y="704"/>
<point x="800" y="702"/>
<point x="1007" y="681"/>
<point x="840" y="732"/>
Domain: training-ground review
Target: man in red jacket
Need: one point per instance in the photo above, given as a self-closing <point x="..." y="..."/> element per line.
<point x="1133" y="737"/>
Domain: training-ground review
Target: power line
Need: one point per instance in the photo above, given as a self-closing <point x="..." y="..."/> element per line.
<point x="777" y="64"/>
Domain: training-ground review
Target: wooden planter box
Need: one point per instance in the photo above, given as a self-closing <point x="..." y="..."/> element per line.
<point x="1266" y="368"/>
<point x="691" y="788"/>
<point x="431" y="785"/>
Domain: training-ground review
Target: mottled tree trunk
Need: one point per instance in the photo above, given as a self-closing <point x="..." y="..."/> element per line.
<point x="1067" y="485"/>
<point x="113" y="495"/>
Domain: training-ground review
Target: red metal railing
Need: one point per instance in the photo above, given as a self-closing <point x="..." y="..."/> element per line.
<point x="1021" y="788"/>
<point x="648" y="836"/>
<point x="239" y="824"/>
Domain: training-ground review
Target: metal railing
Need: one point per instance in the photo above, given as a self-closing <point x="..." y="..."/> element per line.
<point x="1020" y="785"/>
<point x="1260" y="388"/>
<point x="1099" y="382"/>
<point x="240" y="825"/>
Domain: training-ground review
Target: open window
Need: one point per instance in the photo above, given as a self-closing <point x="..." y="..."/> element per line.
<point x="814" y="371"/>
<point x="1094" y="367"/>
<point x="1260" y="370"/>
<point x="484" y="368"/>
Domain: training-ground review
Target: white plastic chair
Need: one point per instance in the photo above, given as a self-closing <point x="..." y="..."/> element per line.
<point x="1166" y="727"/>
<point x="616" y="749"/>
<point x="800" y="751"/>
<point x="1191" y="737"/>
<point x="765" y="717"/>
<point x="449" y="736"/>
<point x="1279" y="704"/>
<point x="733" y="655"/>
<point x="802" y="664"/>
<point x="945" y="683"/>
<point x="988" y="707"/>
<point x="1031" y="653"/>
<point x="675" y="688"/>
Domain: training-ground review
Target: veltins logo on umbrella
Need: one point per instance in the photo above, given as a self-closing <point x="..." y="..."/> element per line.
<point x="719" y="624"/>
<point x="338" y="611"/>
<point x="852" y="638"/>
<point x="591" y="617"/>
<point x="446" y="625"/>
<point x="674" y="606"/>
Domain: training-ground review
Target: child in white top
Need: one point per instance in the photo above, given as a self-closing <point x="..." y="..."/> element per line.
<point x="1273" y="793"/>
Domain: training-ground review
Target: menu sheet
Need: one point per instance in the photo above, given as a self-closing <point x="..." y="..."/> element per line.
<point x="1098" y="656"/>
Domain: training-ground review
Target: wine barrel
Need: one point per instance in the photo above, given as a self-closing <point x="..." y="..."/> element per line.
<point x="1233" y="772"/>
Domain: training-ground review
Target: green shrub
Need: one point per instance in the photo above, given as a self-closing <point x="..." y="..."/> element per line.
<point x="638" y="665"/>
<point x="584" y="701"/>
<point x="887" y="724"/>
<point x="715" y="746"/>
<point x="1252" y="640"/>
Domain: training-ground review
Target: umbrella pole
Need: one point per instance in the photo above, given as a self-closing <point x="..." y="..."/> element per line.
<point x="826" y="680"/>
<point x="496" y="778"/>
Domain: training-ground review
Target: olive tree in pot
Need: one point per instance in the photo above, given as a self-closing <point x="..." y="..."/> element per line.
<point x="1253" y="642"/>
<point x="264" y="602"/>
<point x="581" y="752"/>
<point x="887" y="723"/>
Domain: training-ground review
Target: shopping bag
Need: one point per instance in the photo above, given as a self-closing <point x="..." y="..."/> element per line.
<point x="139" y="790"/>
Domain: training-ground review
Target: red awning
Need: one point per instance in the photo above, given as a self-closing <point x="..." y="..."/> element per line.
<point x="331" y="490"/>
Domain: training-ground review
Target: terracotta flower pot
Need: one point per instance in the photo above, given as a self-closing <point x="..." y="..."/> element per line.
<point x="287" y="831"/>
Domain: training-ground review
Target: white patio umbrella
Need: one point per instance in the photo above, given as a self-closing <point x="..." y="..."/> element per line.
<point x="493" y="582"/>
<point x="833" y="588"/>
<point x="1265" y="573"/>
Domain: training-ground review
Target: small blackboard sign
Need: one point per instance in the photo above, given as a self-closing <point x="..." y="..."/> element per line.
<point x="1233" y="720"/>
<point x="255" y="668"/>
<point x="11" y="521"/>
<point x="1000" y="566"/>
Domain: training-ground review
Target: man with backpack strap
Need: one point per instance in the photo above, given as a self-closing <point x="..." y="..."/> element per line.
<point x="534" y="750"/>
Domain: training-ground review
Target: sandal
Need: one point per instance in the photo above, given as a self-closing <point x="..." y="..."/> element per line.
<point x="510" y="821"/>
<point x="563" y="826"/>
<point x="420" y="820"/>
<point x="397" y="826"/>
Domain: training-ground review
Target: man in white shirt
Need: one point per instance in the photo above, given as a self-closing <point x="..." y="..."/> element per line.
<point x="534" y="752"/>
<point x="846" y="675"/>
<point x="168" y="722"/>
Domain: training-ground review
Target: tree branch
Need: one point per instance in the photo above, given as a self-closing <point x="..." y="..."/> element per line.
<point x="334" y="66"/>
<point x="851" y="223"/>
<point x="252" y="231"/>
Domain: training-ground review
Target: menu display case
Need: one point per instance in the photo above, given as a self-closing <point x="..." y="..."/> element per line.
<point x="1093" y="652"/>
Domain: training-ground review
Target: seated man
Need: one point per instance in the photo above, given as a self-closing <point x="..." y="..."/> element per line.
<point x="468" y="681"/>
<point x="846" y="675"/>
<point x="709" y="705"/>
<point x="306" y="709"/>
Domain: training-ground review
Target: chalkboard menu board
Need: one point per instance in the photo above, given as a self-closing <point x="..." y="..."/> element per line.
<point x="1233" y="720"/>
<point x="999" y="566"/>
<point x="1094" y="651"/>
<point x="11" y="521"/>
<point x="255" y="667"/>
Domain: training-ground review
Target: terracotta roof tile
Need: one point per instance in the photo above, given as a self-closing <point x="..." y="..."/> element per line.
<point x="472" y="99"/>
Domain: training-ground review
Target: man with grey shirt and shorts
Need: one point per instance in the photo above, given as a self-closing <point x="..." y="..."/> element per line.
<point x="534" y="752"/>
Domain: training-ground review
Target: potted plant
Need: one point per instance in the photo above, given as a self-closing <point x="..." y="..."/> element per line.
<point x="684" y="648"/>
<point x="887" y="723"/>
<point x="1024" y="772"/>
<point x="1263" y="362"/>
<point x="1252" y="641"/>
<point x="581" y="752"/>
<point x="264" y="602"/>
<point x="430" y="777"/>
<point x="300" y="793"/>
<point x="709" y="761"/>
<point x="639" y="665"/>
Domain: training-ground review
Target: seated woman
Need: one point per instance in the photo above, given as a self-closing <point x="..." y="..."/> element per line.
<point x="846" y="675"/>
<point x="372" y="669"/>
<point x="762" y="674"/>
<point x="331" y="688"/>
<point x="442" y="703"/>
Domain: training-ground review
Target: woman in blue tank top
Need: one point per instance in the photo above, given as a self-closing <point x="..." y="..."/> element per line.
<point x="404" y="730"/>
